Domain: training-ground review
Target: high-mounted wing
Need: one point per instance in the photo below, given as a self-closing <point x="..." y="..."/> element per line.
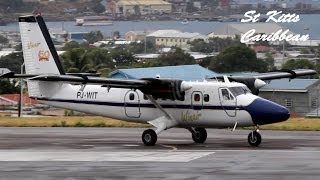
<point x="159" y="88"/>
<point x="285" y="74"/>
<point x="254" y="83"/>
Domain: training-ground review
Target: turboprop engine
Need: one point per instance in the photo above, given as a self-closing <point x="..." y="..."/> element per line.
<point x="166" y="88"/>
<point x="253" y="84"/>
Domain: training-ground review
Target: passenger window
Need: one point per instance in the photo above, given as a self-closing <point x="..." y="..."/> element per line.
<point x="196" y="97"/>
<point x="206" y="98"/>
<point x="131" y="96"/>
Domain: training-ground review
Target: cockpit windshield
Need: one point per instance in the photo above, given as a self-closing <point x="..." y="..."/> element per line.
<point x="236" y="91"/>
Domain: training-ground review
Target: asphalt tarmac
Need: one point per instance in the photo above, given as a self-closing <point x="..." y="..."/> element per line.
<point x="118" y="153"/>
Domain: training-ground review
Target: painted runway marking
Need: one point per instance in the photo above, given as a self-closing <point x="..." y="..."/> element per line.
<point x="157" y="156"/>
<point x="173" y="148"/>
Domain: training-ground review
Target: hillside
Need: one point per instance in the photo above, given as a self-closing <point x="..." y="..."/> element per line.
<point x="58" y="10"/>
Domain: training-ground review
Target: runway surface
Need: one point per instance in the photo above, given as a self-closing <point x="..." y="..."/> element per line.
<point x="118" y="153"/>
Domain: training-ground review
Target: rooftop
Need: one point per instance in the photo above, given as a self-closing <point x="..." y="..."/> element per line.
<point x="289" y="85"/>
<point x="241" y="28"/>
<point x="184" y="72"/>
<point x="175" y="34"/>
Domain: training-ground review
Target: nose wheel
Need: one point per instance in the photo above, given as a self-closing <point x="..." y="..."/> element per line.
<point x="149" y="137"/>
<point x="254" y="138"/>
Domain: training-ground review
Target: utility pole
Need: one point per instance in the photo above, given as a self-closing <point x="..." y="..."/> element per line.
<point x="20" y="109"/>
<point x="145" y="42"/>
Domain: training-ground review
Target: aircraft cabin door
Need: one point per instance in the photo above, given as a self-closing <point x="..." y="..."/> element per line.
<point x="228" y="101"/>
<point x="132" y="104"/>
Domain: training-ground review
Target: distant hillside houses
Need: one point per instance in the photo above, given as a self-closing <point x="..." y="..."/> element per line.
<point x="285" y="4"/>
<point x="129" y="7"/>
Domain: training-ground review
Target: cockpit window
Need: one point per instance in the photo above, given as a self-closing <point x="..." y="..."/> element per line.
<point x="226" y="94"/>
<point x="236" y="91"/>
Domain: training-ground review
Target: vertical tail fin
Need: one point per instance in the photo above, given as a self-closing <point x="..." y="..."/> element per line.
<point x="40" y="55"/>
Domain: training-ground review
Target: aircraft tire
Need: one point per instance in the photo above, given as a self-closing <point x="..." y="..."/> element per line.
<point x="149" y="137"/>
<point x="254" y="138"/>
<point x="200" y="136"/>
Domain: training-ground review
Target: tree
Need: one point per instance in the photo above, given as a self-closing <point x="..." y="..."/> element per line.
<point x="98" y="8"/>
<point x="138" y="48"/>
<point x="199" y="45"/>
<point x="71" y="45"/>
<point x="12" y="61"/>
<point x="270" y="62"/>
<point x="213" y="45"/>
<point x="122" y="57"/>
<point x="236" y="59"/>
<point x="176" y="57"/>
<point x="85" y="60"/>
<point x="93" y="36"/>
<point x="3" y="40"/>
<point x="190" y="8"/>
<point x="137" y="10"/>
<point x="74" y="60"/>
<point x="6" y="87"/>
<point x="116" y="35"/>
<point x="298" y="64"/>
<point x="12" y="4"/>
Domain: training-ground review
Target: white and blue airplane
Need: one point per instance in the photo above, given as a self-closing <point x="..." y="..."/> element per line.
<point x="163" y="103"/>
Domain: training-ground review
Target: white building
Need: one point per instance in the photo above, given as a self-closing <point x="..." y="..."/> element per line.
<point x="170" y="38"/>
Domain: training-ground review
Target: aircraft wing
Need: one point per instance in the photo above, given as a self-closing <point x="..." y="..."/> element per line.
<point x="159" y="88"/>
<point x="14" y="75"/>
<point x="285" y="74"/>
<point x="254" y="83"/>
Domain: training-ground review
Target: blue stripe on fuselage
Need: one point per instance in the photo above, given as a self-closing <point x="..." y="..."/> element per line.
<point x="144" y="105"/>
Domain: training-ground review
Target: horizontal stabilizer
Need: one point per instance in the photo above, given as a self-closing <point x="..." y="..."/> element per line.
<point x="13" y="75"/>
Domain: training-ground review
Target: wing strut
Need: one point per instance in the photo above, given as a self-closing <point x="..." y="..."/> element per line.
<point x="164" y="122"/>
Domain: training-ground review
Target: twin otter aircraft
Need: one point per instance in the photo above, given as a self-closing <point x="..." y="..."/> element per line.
<point x="164" y="103"/>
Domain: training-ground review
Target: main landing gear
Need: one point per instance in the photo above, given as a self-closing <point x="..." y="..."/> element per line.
<point x="149" y="137"/>
<point x="199" y="135"/>
<point x="254" y="138"/>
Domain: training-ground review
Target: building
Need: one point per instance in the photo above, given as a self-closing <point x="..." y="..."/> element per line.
<point x="137" y="35"/>
<point x="300" y="96"/>
<point x="184" y="72"/>
<point x="196" y="55"/>
<point x="4" y="70"/>
<point x="129" y="7"/>
<point x="285" y="4"/>
<point x="170" y="38"/>
<point x="238" y="29"/>
<point x="5" y="102"/>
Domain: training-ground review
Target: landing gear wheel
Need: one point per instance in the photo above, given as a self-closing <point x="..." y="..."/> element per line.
<point x="254" y="138"/>
<point x="149" y="137"/>
<point x="200" y="135"/>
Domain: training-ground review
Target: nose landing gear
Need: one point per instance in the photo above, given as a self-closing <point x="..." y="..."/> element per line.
<point x="254" y="138"/>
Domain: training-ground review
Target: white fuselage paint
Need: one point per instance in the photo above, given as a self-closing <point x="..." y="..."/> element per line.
<point x="116" y="103"/>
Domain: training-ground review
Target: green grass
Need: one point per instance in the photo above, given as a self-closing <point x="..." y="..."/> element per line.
<point x="296" y="124"/>
<point x="68" y="121"/>
<point x="300" y="124"/>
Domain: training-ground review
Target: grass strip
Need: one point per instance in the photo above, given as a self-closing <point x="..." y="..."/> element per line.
<point x="68" y="121"/>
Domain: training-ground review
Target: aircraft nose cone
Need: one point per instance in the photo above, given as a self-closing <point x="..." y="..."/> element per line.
<point x="263" y="111"/>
